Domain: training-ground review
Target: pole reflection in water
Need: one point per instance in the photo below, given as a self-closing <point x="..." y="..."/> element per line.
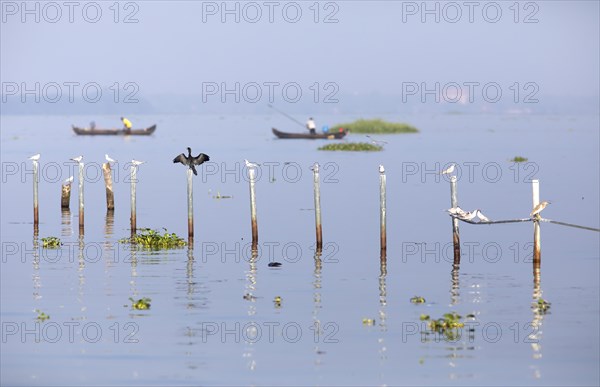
<point x="133" y="280"/>
<point x="317" y="305"/>
<point x="455" y="286"/>
<point x="108" y="249"/>
<point x="382" y="306"/>
<point x="37" y="282"/>
<point x="109" y="224"/>
<point x="81" y="274"/>
<point x="108" y="253"/>
<point x="249" y="296"/>
<point x="65" y="222"/>
<point x="535" y="336"/>
<point x="189" y="275"/>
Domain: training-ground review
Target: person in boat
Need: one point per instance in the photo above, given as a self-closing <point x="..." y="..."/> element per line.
<point x="310" y="125"/>
<point x="126" y="124"/>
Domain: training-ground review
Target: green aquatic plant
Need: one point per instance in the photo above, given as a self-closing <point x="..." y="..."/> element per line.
<point x="141" y="304"/>
<point x="352" y="147"/>
<point x="219" y="196"/>
<point x="417" y="300"/>
<point x="375" y="126"/>
<point x="41" y="315"/>
<point x="154" y="240"/>
<point x="519" y="159"/>
<point x="424" y="317"/>
<point x="368" y="321"/>
<point x="542" y="306"/>
<point x="51" y="242"/>
<point x="449" y="325"/>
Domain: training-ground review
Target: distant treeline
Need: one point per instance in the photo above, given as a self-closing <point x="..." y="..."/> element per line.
<point x="106" y="101"/>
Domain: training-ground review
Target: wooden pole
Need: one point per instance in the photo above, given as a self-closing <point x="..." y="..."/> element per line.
<point x="110" y="197"/>
<point x="455" y="232"/>
<point x="133" y="188"/>
<point x="252" y="172"/>
<point x="319" y="229"/>
<point x="81" y="205"/>
<point x="537" y="244"/>
<point x="382" y="209"/>
<point x="65" y="196"/>
<point x="36" y="217"/>
<point x="190" y="202"/>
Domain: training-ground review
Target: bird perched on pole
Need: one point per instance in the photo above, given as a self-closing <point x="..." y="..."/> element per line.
<point x="448" y="171"/>
<point x="191" y="161"/>
<point x="482" y="217"/>
<point x="249" y="164"/>
<point x="539" y="208"/>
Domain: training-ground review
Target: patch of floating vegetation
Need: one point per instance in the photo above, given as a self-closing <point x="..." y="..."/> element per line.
<point x="51" y="242"/>
<point x="450" y="325"/>
<point x="41" y="315"/>
<point x="352" y="147"/>
<point x="141" y="304"/>
<point x="375" y="126"/>
<point x="152" y="239"/>
<point x="542" y="306"/>
<point x="219" y="196"/>
<point x="519" y="159"/>
<point x="417" y="300"/>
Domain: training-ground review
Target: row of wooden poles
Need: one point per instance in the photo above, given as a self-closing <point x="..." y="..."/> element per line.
<point x="66" y="192"/>
<point x="65" y="197"/>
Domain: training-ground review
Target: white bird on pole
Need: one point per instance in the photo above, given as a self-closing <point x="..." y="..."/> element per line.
<point x="68" y="180"/>
<point x="468" y="216"/>
<point x="482" y="217"/>
<point x="77" y="159"/>
<point x="539" y="208"/>
<point x="448" y="171"/>
<point x="457" y="211"/>
<point x="35" y="157"/>
<point x="137" y="163"/>
<point x="249" y="164"/>
<point x="109" y="159"/>
<point x="381" y="169"/>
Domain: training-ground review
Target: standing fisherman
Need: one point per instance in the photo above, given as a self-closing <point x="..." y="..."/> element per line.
<point x="310" y="124"/>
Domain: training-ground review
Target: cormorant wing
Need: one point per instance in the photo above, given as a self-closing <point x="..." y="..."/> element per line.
<point x="200" y="159"/>
<point x="180" y="159"/>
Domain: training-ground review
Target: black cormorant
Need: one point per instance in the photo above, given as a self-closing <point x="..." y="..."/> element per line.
<point x="191" y="161"/>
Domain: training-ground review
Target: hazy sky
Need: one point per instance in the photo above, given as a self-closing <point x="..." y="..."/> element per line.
<point x="367" y="47"/>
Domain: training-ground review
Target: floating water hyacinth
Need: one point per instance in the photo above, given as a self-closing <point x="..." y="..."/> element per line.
<point x="41" y="315"/>
<point x="141" y="304"/>
<point x="51" y="242"/>
<point x="154" y="240"/>
<point x="542" y="306"/>
<point x="417" y="300"/>
<point x="375" y="126"/>
<point x="519" y="159"/>
<point x="352" y="147"/>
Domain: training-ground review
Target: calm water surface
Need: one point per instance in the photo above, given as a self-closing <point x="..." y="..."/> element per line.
<point x="213" y="319"/>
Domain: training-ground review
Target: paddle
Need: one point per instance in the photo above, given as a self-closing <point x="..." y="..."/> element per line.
<point x="288" y="116"/>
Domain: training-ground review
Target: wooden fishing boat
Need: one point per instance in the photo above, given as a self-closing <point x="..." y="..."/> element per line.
<point x="120" y="131"/>
<point x="328" y="136"/>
